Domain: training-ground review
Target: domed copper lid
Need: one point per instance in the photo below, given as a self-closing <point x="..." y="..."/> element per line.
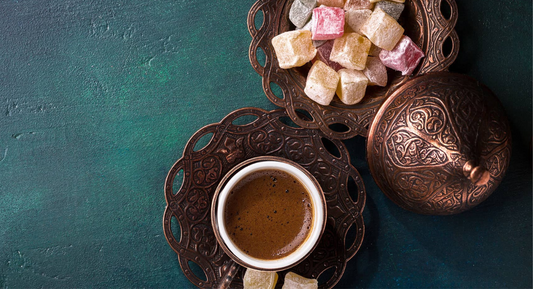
<point x="440" y="144"/>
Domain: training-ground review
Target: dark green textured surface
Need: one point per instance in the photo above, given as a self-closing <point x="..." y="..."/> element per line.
<point x="97" y="101"/>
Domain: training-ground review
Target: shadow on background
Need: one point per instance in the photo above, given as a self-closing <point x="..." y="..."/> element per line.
<point x="487" y="246"/>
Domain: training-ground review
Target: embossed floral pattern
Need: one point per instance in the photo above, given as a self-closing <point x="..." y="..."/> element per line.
<point x="230" y="144"/>
<point x="425" y="136"/>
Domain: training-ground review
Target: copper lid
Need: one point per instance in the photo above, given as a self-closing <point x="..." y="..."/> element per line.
<point x="440" y="144"/>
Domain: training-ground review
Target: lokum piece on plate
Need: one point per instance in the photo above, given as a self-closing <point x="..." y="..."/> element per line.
<point x="323" y="54"/>
<point x="328" y="23"/>
<point x="301" y="11"/>
<point x="293" y="48"/>
<point x="351" y="51"/>
<point x="357" y="4"/>
<point x="376" y="72"/>
<point x="356" y="18"/>
<point x="321" y="83"/>
<point x="295" y="281"/>
<point x="392" y="8"/>
<point x="404" y="57"/>
<point x="382" y="29"/>
<point x="255" y="279"/>
<point x="352" y="86"/>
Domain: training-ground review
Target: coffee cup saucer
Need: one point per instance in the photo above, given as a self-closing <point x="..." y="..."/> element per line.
<point x="192" y="181"/>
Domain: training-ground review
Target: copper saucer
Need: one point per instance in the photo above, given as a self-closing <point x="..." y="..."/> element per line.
<point x="270" y="134"/>
<point x="423" y="22"/>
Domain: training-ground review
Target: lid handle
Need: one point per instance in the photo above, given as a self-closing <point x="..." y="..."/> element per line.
<point x="478" y="175"/>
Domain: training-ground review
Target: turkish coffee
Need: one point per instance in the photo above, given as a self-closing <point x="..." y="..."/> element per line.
<point x="268" y="214"/>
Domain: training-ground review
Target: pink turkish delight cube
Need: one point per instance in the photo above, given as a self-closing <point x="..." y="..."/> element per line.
<point x="328" y="23"/>
<point x="404" y="57"/>
<point x="324" y="52"/>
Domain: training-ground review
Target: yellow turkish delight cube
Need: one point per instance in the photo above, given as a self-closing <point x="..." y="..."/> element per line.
<point x="294" y="48"/>
<point x="255" y="279"/>
<point x="382" y="29"/>
<point x="295" y="281"/>
<point x="352" y="86"/>
<point x="321" y="83"/>
<point x="351" y="51"/>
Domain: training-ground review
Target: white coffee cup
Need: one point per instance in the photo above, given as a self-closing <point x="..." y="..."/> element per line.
<point x="253" y="166"/>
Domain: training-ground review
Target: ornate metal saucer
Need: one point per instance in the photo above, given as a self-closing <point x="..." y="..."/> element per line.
<point x="440" y="144"/>
<point x="423" y="22"/>
<point x="270" y="134"/>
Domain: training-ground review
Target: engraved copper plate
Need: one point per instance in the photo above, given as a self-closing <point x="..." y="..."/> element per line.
<point x="424" y="23"/>
<point x="440" y="144"/>
<point x="270" y="134"/>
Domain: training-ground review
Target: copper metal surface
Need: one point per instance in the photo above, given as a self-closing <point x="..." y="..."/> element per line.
<point x="423" y="22"/>
<point x="226" y="178"/>
<point x="440" y="144"/>
<point x="270" y="134"/>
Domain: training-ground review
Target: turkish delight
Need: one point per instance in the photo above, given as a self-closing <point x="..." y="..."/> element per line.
<point x="321" y="83"/>
<point x="356" y="18"/>
<point x="293" y="48"/>
<point x="301" y="11"/>
<point x="295" y="281"/>
<point x="323" y="54"/>
<point x="404" y="57"/>
<point x="351" y="51"/>
<point x="328" y="23"/>
<point x="255" y="279"/>
<point x="376" y="72"/>
<point x="391" y="8"/>
<point x="357" y="4"/>
<point x="350" y="43"/>
<point x="382" y="29"/>
<point x="352" y="86"/>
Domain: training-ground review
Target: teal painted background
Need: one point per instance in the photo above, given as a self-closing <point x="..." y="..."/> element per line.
<point x="97" y="101"/>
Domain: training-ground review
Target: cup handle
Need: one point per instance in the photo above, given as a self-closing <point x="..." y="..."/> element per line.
<point x="227" y="275"/>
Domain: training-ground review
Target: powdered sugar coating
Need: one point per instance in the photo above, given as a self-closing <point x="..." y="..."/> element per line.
<point x="404" y="57"/>
<point x="328" y="23"/>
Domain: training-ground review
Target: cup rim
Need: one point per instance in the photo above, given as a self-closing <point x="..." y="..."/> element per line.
<point x="319" y="206"/>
